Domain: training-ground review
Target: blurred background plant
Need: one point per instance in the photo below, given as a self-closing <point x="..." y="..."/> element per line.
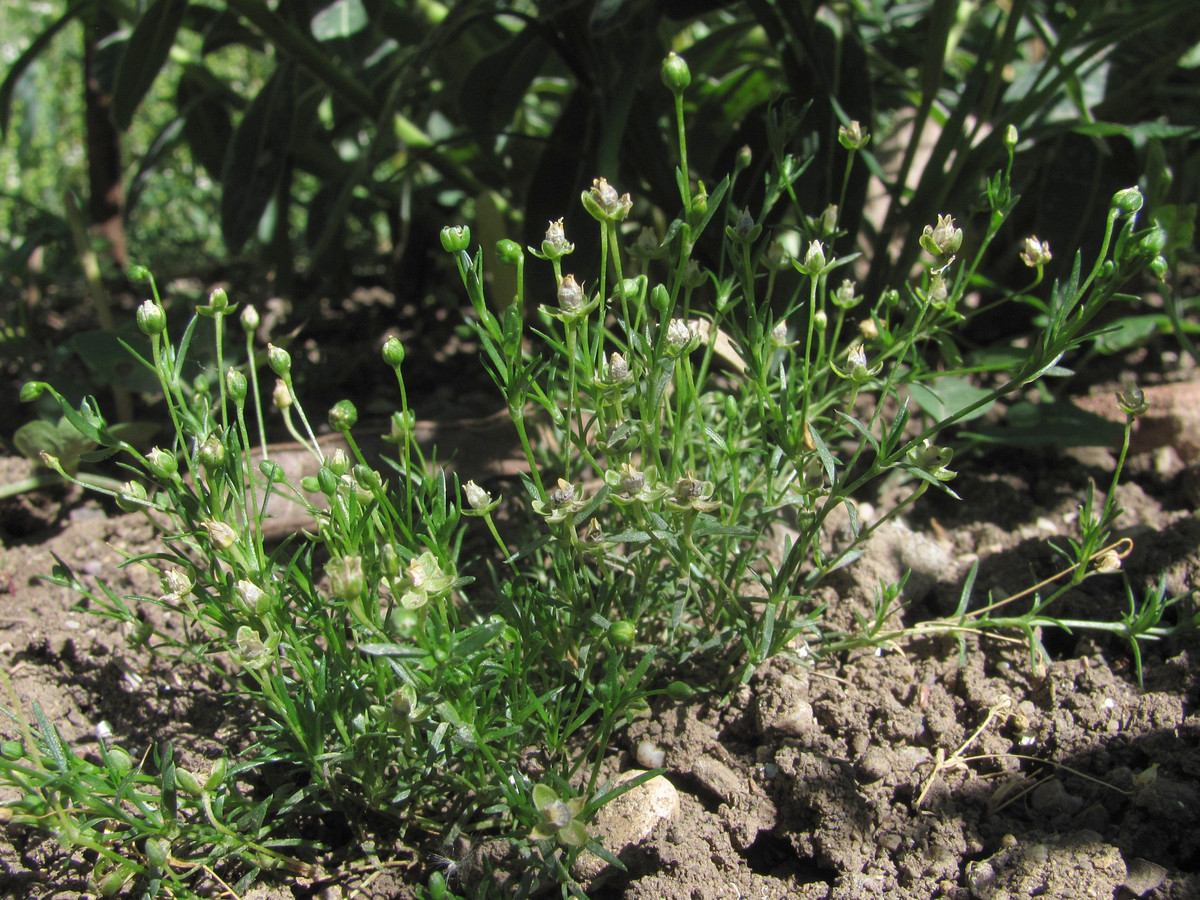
<point x="333" y="138"/>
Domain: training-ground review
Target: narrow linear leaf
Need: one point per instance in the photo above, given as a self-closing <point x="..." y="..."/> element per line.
<point x="145" y="52"/>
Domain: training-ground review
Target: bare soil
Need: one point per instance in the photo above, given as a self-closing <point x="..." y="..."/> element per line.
<point x="815" y="780"/>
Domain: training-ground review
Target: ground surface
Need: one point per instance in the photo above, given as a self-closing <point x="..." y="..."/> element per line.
<point x="811" y="782"/>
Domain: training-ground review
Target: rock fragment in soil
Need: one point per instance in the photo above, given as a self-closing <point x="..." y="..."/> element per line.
<point x="1078" y="864"/>
<point x="627" y="821"/>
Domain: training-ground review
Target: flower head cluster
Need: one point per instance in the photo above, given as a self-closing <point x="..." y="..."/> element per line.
<point x="615" y="372"/>
<point x="559" y="819"/>
<point x="604" y="204"/>
<point x="690" y="494"/>
<point x="555" y="245"/>
<point x="573" y="304"/>
<point x="629" y="485"/>
<point x="932" y="460"/>
<point x="681" y="337"/>
<point x="857" y="369"/>
<point x="561" y="503"/>
<point x="943" y="239"/>
<point x="424" y="580"/>
<point x="853" y="136"/>
<point x="1036" y="253"/>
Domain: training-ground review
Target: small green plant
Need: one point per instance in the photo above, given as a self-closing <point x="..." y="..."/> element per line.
<point x="712" y="411"/>
<point x="689" y="434"/>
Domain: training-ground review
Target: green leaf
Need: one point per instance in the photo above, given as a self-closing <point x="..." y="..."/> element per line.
<point x="145" y="52"/>
<point x="339" y="19"/>
<point x="943" y="397"/>
<point x="63" y="441"/>
<point x="1060" y="424"/>
<point x="257" y="158"/>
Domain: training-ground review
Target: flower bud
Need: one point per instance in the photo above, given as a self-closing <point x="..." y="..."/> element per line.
<point x="844" y="296"/>
<point x="31" y="390"/>
<point x="327" y="482"/>
<point x="151" y="318"/>
<point x="744" y="230"/>
<point x="393" y="352"/>
<point x="188" y="781"/>
<point x="218" y="300"/>
<point x="346" y="580"/>
<point x="675" y="74"/>
<point x="342" y="416"/>
<point x="236" y="385"/>
<point x="162" y="463"/>
<point x="216" y="774"/>
<point x="779" y="334"/>
<point x="868" y="330"/>
<point x="744" y="157"/>
<point x="389" y="560"/>
<point x="827" y="223"/>
<point x="279" y="360"/>
<point x="509" y="252"/>
<point x="699" y="206"/>
<point x="249" y="595"/>
<point x="456" y="239"/>
<point x="1011" y="137"/>
<point x="616" y="370"/>
<point x="281" y="396"/>
<point x="211" y="453"/>
<point x="220" y="534"/>
<point x="157" y="853"/>
<point x="1127" y="202"/>
<point x="477" y="498"/>
<point x="680" y="691"/>
<point x="814" y="260"/>
<point x="138" y="273"/>
<point x="1132" y="401"/>
<point x="132" y="496"/>
<point x="570" y="294"/>
<point x="249" y="319"/>
<point x="338" y="462"/>
<point x="776" y="256"/>
<point x="272" y="471"/>
<point x="622" y="633"/>
<point x="367" y="478"/>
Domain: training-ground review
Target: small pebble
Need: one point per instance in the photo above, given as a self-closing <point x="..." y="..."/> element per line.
<point x="650" y="755"/>
<point x="873" y="765"/>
